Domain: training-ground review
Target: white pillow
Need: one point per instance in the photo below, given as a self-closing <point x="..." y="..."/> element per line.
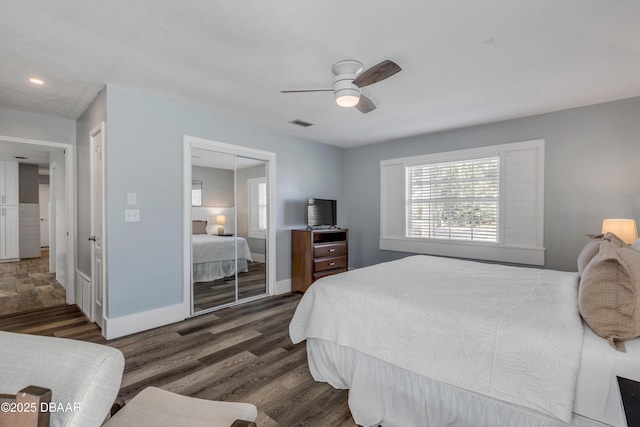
<point x="636" y="245"/>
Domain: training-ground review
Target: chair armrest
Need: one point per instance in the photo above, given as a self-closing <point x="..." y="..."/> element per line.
<point x="243" y="423"/>
<point x="27" y="408"/>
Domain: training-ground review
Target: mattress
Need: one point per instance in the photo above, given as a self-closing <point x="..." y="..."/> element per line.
<point x="388" y="393"/>
<point x="510" y="333"/>
<point x="207" y="248"/>
<point x="214" y="257"/>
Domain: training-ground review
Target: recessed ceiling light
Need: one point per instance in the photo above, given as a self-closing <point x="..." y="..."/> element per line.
<point x="36" y="81"/>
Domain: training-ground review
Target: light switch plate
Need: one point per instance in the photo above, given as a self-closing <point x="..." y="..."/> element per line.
<point x="132" y="215"/>
<point x="132" y="198"/>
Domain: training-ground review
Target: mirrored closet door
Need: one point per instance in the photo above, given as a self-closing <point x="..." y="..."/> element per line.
<point x="230" y="229"/>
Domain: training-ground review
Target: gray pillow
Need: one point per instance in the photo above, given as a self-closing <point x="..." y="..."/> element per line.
<point x="199" y="227"/>
<point x="609" y="294"/>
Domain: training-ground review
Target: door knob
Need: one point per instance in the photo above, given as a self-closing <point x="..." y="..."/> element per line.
<point x="92" y="238"/>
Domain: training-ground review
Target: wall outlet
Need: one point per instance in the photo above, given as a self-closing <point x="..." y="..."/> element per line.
<point x="132" y="215"/>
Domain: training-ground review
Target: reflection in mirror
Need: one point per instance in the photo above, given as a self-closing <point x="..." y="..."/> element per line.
<point x="213" y="254"/>
<point x="229" y="229"/>
<point x="251" y="184"/>
<point x="196" y="193"/>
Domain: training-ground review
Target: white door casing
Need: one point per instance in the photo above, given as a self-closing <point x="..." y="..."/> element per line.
<point x="98" y="273"/>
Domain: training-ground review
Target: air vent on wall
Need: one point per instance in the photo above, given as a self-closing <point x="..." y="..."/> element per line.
<point x="301" y="123"/>
<point x="20" y="157"/>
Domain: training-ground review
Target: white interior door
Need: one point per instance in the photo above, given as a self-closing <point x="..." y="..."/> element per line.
<point x="44" y="214"/>
<point x="97" y="226"/>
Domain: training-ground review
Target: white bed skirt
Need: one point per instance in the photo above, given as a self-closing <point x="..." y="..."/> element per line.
<point x="384" y="394"/>
<point x="214" y="270"/>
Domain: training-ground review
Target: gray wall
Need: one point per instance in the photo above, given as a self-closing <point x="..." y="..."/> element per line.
<point x="217" y="185"/>
<point x="28" y="183"/>
<point x="145" y="139"/>
<point x="591" y="173"/>
<point x="94" y="114"/>
<point x="36" y="126"/>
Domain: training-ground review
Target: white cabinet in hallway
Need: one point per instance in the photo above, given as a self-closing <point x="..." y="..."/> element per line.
<point x="9" y="236"/>
<point x="9" y="183"/>
<point x="9" y="212"/>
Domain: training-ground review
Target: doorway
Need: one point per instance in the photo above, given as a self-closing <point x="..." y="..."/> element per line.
<point x="46" y="268"/>
<point x="229" y="230"/>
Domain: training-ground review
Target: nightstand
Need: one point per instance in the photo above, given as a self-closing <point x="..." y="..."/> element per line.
<point x="630" y="392"/>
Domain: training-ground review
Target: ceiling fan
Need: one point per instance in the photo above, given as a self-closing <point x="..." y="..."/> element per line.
<point x="350" y="79"/>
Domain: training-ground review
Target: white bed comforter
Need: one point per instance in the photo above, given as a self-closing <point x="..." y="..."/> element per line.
<point x="512" y="333"/>
<point x="207" y="248"/>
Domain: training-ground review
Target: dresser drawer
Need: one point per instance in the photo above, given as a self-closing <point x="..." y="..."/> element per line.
<point x="329" y="249"/>
<point x="329" y="263"/>
<point x="320" y="274"/>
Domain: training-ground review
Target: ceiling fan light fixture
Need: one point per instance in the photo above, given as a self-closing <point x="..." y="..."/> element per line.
<point x="347" y="97"/>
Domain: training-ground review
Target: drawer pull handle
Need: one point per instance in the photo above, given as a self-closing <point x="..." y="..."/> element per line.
<point x="332" y="250"/>
<point x="331" y="264"/>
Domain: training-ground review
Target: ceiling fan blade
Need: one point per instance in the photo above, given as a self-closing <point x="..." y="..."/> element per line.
<point x="383" y="70"/>
<point x="306" y="90"/>
<point x="365" y="105"/>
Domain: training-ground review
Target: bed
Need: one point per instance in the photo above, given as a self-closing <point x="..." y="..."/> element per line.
<point x="214" y="257"/>
<point x="431" y="341"/>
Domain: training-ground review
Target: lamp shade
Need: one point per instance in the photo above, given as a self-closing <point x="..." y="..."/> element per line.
<point x="625" y="229"/>
<point x="221" y="219"/>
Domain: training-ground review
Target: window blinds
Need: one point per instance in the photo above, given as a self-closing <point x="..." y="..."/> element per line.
<point x="454" y="200"/>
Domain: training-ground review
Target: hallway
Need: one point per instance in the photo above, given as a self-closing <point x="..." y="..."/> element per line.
<point x="28" y="285"/>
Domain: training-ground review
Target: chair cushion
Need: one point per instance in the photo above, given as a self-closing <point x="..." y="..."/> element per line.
<point x="161" y="408"/>
<point x="76" y="372"/>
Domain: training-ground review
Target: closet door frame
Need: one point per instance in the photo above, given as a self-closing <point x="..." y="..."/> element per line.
<point x="191" y="142"/>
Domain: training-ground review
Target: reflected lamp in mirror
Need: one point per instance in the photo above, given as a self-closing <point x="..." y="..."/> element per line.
<point x="220" y="220"/>
<point x="196" y="193"/>
<point x="625" y="229"/>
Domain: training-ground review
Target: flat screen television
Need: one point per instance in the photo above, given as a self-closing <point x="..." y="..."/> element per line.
<point x="321" y="212"/>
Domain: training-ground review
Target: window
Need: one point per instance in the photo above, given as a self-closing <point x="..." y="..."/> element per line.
<point x="196" y="193"/>
<point x="454" y="200"/>
<point x="484" y="203"/>
<point x="257" y="207"/>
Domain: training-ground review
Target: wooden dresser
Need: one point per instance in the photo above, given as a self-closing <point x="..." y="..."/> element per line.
<point x="317" y="253"/>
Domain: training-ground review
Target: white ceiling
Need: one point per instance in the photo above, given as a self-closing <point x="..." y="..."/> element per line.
<point x="464" y="62"/>
<point x="34" y="155"/>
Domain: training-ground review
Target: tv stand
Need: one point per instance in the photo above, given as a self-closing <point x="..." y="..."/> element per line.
<point x="317" y="253"/>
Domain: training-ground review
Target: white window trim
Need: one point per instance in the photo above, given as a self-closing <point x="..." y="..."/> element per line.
<point x="393" y="206"/>
<point x="254" y="233"/>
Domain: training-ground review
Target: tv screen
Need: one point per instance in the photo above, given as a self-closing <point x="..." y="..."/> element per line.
<point x="321" y="212"/>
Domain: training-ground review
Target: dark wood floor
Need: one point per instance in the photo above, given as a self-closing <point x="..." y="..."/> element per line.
<point x="28" y="285"/>
<point x="237" y="354"/>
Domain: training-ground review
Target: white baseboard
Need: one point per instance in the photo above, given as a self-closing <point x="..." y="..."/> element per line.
<point x="282" y="287"/>
<point x="138" y="322"/>
<point x="258" y="257"/>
